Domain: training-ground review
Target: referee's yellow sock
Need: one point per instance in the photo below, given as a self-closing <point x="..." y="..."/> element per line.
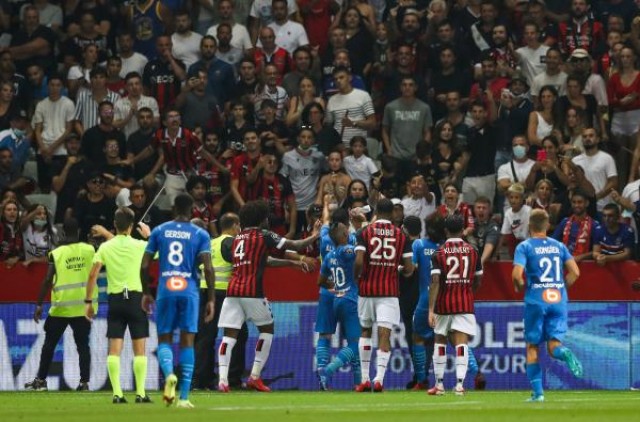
<point x="140" y="371"/>
<point x="113" y="366"/>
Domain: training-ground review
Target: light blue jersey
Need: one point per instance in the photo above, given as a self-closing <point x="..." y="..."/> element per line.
<point x="337" y="266"/>
<point x="326" y="246"/>
<point x="422" y="251"/>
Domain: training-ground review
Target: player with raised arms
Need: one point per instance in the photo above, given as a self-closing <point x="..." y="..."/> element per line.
<point x="382" y="247"/>
<point x="455" y="276"/>
<point x="245" y="299"/>
<point x="544" y="261"/>
<point x="182" y="247"/>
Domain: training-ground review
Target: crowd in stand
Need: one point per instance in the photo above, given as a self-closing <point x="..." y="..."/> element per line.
<point x="482" y="107"/>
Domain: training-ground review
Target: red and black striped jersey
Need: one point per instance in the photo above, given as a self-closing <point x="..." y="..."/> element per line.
<point x="250" y="249"/>
<point x="464" y="210"/>
<point x="205" y="213"/>
<point x="277" y="191"/>
<point x="384" y="247"/>
<point x="161" y="82"/>
<point x="218" y="180"/>
<point x="457" y="263"/>
<point x="241" y="167"/>
<point x="180" y="154"/>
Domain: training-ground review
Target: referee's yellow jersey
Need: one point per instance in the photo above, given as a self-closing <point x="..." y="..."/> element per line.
<point x="122" y="256"/>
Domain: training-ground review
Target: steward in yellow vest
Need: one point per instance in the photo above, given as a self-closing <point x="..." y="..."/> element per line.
<point x="66" y="278"/>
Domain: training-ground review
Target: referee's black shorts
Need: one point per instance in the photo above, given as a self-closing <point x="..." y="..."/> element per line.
<point x="125" y="313"/>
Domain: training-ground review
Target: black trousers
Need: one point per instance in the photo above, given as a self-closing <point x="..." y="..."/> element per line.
<point x="409" y="294"/>
<point x="54" y="327"/>
<point x="205" y="348"/>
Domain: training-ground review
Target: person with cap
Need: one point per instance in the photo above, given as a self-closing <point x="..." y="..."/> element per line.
<point x="122" y="255"/>
<point x="16" y="139"/>
<point x="66" y="278"/>
<point x="456" y="273"/>
<point x="514" y="108"/>
<point x="69" y="177"/>
<point x="94" y="207"/>
<point x="581" y="65"/>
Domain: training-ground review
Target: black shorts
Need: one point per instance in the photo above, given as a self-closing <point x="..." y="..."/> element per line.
<point x="125" y="313"/>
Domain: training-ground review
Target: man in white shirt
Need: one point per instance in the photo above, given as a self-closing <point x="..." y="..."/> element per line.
<point x="351" y="110"/>
<point x="261" y="14"/>
<point x="289" y="34"/>
<point x="226" y="51"/>
<point x="531" y="58"/>
<point x="186" y="43"/>
<point x="240" y="37"/>
<point x="553" y="75"/>
<point x="126" y="108"/>
<point x="582" y="66"/>
<point x="517" y="170"/>
<point x="420" y="202"/>
<point x="599" y="167"/>
<point x="132" y="61"/>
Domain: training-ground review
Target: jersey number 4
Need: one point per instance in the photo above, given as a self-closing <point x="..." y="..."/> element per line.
<point x="383" y="248"/>
<point x="239" y="250"/>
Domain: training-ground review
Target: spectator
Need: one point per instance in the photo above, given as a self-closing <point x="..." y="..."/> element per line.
<point x="185" y="42"/>
<point x="340" y="59"/>
<point x="419" y="202"/>
<point x="88" y="100"/>
<point x="273" y="133"/>
<point x="140" y="140"/>
<point x="245" y="169"/>
<point x="37" y="83"/>
<point x="163" y="76"/>
<point x="517" y="170"/>
<point x="581" y="30"/>
<point x="267" y="52"/>
<point x="585" y="104"/>
<point x="245" y="88"/>
<point x="79" y="75"/>
<point x="452" y="205"/>
<point x="240" y="37"/>
<point x="216" y="172"/>
<point x="115" y="82"/>
<point x="306" y="95"/>
<point x="306" y="64"/>
<point x="548" y="167"/>
<point x="149" y="20"/>
<point x="515" y="225"/>
<point x="537" y="11"/>
<point x="581" y="65"/>
<point x="357" y="164"/>
<point x="270" y="90"/>
<point x="609" y="62"/>
<point x="613" y="241"/>
<point x="94" y="139"/>
<point x="277" y="190"/>
<point x="303" y="166"/>
<point x="69" y="177"/>
<point x="8" y="105"/>
<point x="132" y="60"/>
<point x="552" y="75"/>
<point x="357" y="191"/>
<point x="424" y="166"/>
<point x="532" y="57"/>
<point x="570" y="132"/>
<point x="317" y="16"/>
<point x="290" y="35"/>
<point x="33" y="43"/>
<point x="202" y="209"/>
<point x="126" y="108"/>
<point x="513" y="111"/>
<point x="489" y="79"/>
<point x="359" y="40"/>
<point x="11" y="246"/>
<point x="38" y="234"/>
<point x="327" y="138"/>
<point x="446" y="157"/>
<point x="599" y="167"/>
<point x="336" y="182"/>
<point x="94" y="207"/>
<point x="578" y="230"/>
<point x="351" y="109"/>
<point x="220" y="75"/>
<point x="115" y="170"/>
<point x="261" y="15"/>
<point x="152" y="215"/>
<point x="10" y="177"/>
<point x="234" y="130"/>
<point x="406" y="122"/>
<point x="226" y="52"/>
<point x="577" y="181"/>
<point x="542" y="120"/>
<point x="502" y="51"/>
<point x="50" y="15"/>
<point x="486" y="234"/>
<point x="15" y="138"/>
<point x="87" y="34"/>
<point x="448" y="79"/>
<point x="401" y="64"/>
<point x="198" y="108"/>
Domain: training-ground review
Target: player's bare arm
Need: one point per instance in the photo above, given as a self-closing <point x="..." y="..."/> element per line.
<point x="518" y="278"/>
<point x="433" y="294"/>
<point x="145" y="278"/>
<point x="45" y="288"/>
<point x="89" y="313"/>
<point x="303" y="243"/>
<point x="209" y="276"/>
<point x="477" y="281"/>
<point x="359" y="263"/>
<point x="573" y="272"/>
<point x="407" y="268"/>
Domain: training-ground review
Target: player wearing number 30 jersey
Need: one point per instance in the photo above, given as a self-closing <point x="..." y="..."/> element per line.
<point x="545" y="311"/>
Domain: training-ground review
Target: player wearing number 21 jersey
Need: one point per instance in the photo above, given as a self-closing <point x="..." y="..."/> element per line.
<point x="455" y="276"/>
<point x="381" y="248"/>
<point x="544" y="260"/>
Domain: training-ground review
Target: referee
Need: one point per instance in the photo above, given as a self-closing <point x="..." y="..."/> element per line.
<point x="122" y="256"/>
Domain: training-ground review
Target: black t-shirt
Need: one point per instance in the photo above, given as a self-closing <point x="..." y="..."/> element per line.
<point x="360" y="51"/>
<point x="429" y="173"/>
<point x="90" y="213"/>
<point x="46" y="60"/>
<point x="482" y="146"/>
<point x="152" y="219"/>
<point x="121" y="171"/>
<point x="76" y="179"/>
<point x="277" y="127"/>
<point x="225" y="249"/>
<point x="93" y="142"/>
<point x="327" y="140"/>
<point x="137" y="142"/>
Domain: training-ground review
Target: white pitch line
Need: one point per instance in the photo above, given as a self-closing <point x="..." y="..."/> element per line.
<point x="356" y="407"/>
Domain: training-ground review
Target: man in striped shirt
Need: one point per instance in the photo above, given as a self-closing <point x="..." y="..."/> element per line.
<point x="87" y="101"/>
<point x="451" y="297"/>
<point x="382" y="248"/>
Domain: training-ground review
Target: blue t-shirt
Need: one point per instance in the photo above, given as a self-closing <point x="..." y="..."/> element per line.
<point x="614" y="243"/>
<point x="326" y="246"/>
<point x="422" y="251"/>
<point x="178" y="244"/>
<point x="337" y="266"/>
<point x="543" y="261"/>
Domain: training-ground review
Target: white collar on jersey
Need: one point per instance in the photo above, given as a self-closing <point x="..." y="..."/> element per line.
<point x="383" y="221"/>
<point x="455" y="239"/>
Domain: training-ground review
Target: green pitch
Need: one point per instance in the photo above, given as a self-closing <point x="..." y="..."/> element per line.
<point x="325" y="407"/>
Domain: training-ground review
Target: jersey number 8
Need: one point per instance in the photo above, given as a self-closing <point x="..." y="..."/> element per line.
<point x="175" y="256"/>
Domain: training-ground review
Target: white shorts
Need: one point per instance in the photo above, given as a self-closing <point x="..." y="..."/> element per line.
<point x="236" y="310"/>
<point x="625" y="123"/>
<point x="174" y="184"/>
<point x="464" y="323"/>
<point x="384" y="311"/>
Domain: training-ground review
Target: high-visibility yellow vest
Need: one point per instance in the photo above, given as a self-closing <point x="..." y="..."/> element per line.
<point x="221" y="268"/>
<point x="73" y="264"/>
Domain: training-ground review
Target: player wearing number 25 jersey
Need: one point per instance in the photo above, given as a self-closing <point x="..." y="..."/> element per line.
<point x="544" y="260"/>
<point x="382" y="247"/>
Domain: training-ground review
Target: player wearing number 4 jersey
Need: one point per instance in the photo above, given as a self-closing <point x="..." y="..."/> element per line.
<point x="381" y="248"/>
<point x="545" y="301"/>
<point x="245" y="299"/>
<point x="455" y="276"/>
<point x="182" y="247"/>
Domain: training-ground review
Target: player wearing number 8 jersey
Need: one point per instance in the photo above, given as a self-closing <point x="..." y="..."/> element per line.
<point x="545" y="301"/>
<point x="245" y="299"/>
<point x="381" y="248"/>
<point x="455" y="276"/>
<point x="182" y="247"/>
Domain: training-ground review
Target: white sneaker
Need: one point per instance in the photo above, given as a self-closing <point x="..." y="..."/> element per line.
<point x="169" y="394"/>
<point x="459" y="390"/>
<point x="185" y="404"/>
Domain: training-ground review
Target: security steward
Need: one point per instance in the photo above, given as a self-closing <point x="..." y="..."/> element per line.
<point x="221" y="259"/>
<point x="122" y="256"/>
<point x="66" y="278"/>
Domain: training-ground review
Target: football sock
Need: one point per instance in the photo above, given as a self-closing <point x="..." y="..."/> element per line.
<point x="187" y="359"/>
<point x="323" y="352"/>
<point x="224" y="357"/>
<point x="462" y="362"/>
<point x="113" y="367"/>
<point x="439" y="361"/>
<point x="344" y="356"/>
<point x="263" y="347"/>
<point x="382" y="360"/>
<point x="428" y="345"/>
<point x="364" y="349"/>
<point x="355" y="362"/>
<point x="559" y="353"/>
<point x="473" y="363"/>
<point x="140" y="371"/>
<point x="419" y="357"/>
<point x="534" y="373"/>
<point x="165" y="358"/>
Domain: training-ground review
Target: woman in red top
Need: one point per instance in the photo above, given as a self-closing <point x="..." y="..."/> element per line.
<point x="451" y="205"/>
<point x="317" y="15"/>
<point x="11" y="246"/>
<point x="624" y="100"/>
